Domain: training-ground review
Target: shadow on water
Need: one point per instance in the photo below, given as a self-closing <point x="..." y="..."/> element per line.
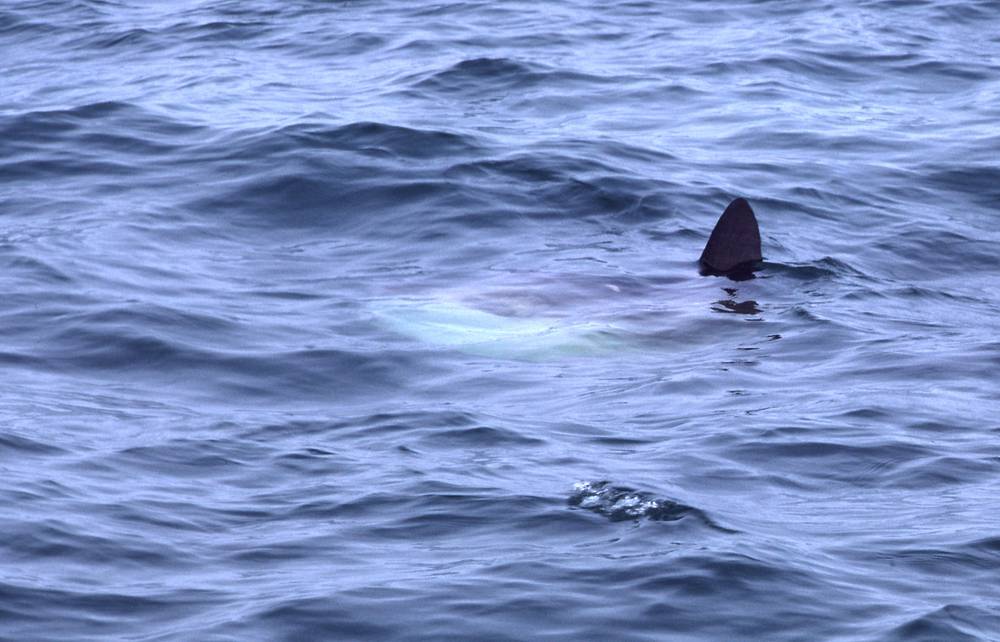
<point x="733" y="306"/>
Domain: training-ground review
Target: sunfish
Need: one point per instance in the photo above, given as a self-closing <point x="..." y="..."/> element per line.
<point x="449" y="322"/>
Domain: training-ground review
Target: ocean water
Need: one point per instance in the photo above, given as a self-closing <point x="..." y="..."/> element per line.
<point x="211" y="429"/>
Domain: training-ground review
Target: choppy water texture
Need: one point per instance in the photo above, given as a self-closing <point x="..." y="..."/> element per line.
<point x="210" y="430"/>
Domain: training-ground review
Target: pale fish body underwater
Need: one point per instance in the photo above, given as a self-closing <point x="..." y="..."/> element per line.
<point x="455" y="321"/>
<point x="452" y="324"/>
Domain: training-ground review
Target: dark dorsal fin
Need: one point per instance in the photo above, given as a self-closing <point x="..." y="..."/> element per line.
<point x="735" y="241"/>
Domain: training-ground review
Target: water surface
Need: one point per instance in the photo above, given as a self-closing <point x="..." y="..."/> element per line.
<point x="208" y="432"/>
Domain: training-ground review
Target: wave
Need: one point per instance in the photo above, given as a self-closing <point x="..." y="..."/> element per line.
<point x="477" y="76"/>
<point x="621" y="503"/>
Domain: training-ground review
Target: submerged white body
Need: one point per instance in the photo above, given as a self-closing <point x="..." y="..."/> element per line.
<point x="452" y="324"/>
<point x="556" y="316"/>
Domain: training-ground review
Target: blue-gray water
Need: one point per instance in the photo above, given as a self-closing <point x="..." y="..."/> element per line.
<point x="207" y="434"/>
